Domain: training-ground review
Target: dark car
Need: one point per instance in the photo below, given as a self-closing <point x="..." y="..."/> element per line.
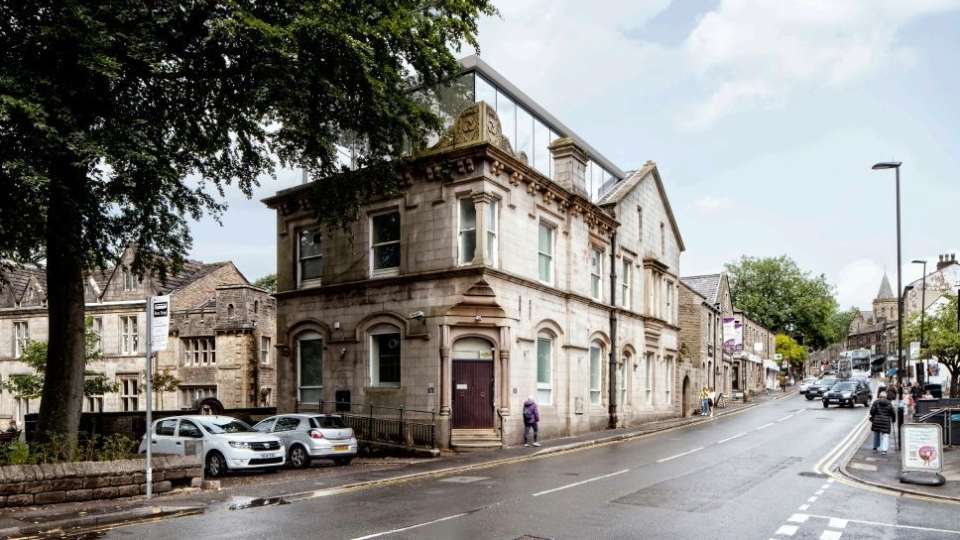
<point x="848" y="393"/>
<point x="821" y="387"/>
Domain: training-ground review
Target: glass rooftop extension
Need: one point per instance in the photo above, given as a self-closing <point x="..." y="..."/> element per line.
<point x="528" y="126"/>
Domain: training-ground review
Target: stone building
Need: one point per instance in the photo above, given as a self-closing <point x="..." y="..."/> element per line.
<point x="221" y="343"/>
<point x="518" y="262"/>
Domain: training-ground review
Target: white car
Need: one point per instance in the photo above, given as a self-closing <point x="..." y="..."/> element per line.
<point x="805" y="384"/>
<point x="226" y="442"/>
<point x="311" y="436"/>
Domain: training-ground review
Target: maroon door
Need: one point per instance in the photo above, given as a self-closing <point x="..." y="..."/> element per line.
<point x="472" y="394"/>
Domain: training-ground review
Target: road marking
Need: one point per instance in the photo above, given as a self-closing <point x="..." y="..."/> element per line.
<point x="831" y="535"/>
<point x="575" y="484"/>
<point x="679" y="455"/>
<point x="804" y="507"/>
<point x="812" y="500"/>
<point x="893" y="525"/>
<point x="787" y="417"/>
<point x="731" y="438"/>
<point x="837" y="523"/>
<point x="765" y="426"/>
<point x="385" y="533"/>
<point x="798" y="518"/>
<point x="787" y="530"/>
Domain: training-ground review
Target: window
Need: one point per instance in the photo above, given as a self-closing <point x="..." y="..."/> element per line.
<point x="623" y="378"/>
<point x="545" y="249"/>
<point x="625" y="279"/>
<point x="596" y="276"/>
<point x="385" y="359"/>
<point x="129" y="392"/>
<point x="595" y="362"/>
<point x="544" y="368"/>
<point x="265" y="350"/>
<point x="310" y="367"/>
<point x="129" y="336"/>
<point x="21" y="339"/>
<point x="668" y="379"/>
<point x="129" y="280"/>
<point x="385" y="241"/>
<point x="94" y="402"/>
<point x="468" y="230"/>
<point x="310" y="255"/>
<point x="648" y="377"/>
<point x="492" y="228"/>
<point x="199" y="351"/>
<point x="191" y="395"/>
<point x="663" y="239"/>
<point x="668" y="301"/>
<point x="98" y="331"/>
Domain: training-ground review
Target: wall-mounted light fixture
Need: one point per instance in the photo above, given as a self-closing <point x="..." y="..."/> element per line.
<point x="284" y="350"/>
<point x="343" y="352"/>
<point x="336" y="325"/>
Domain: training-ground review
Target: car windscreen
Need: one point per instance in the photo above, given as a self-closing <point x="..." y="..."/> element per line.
<point x="844" y="387"/>
<point x="826" y="382"/>
<point x="334" y="422"/>
<point x="225" y="425"/>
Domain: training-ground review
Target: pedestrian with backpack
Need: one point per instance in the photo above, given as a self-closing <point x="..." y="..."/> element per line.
<point x="531" y="417"/>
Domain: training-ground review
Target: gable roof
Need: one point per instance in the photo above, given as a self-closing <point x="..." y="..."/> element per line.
<point x="707" y="286"/>
<point x="621" y="189"/>
<point x="19" y="278"/>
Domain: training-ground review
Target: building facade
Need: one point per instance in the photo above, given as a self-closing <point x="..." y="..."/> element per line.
<point x="499" y="274"/>
<point x="221" y="342"/>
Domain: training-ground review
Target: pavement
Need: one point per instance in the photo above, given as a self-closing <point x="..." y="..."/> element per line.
<point x="854" y="462"/>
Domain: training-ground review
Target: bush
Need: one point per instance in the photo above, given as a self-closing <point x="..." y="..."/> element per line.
<point x="60" y="448"/>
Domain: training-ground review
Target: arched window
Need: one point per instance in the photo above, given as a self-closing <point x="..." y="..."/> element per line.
<point x="385" y="355"/>
<point x="310" y="367"/>
<point x="229" y="310"/>
<point x="622" y="380"/>
<point x="545" y="367"/>
<point x="596" y="361"/>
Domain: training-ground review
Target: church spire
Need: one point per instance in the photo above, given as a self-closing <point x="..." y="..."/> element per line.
<point x="886" y="291"/>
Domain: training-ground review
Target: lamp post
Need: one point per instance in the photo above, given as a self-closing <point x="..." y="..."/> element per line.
<point x="895" y="165"/>
<point x="923" y="309"/>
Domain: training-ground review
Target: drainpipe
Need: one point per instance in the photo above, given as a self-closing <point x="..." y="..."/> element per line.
<point x="612" y="422"/>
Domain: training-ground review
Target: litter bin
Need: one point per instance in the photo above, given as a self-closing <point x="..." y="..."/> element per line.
<point x="954" y="430"/>
<point x="342" y="397"/>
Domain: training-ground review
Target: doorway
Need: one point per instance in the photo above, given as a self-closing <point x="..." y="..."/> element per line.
<point x="473" y="384"/>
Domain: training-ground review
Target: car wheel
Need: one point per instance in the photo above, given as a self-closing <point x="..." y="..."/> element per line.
<point x="216" y="465"/>
<point x="825" y="405"/>
<point x="273" y="470"/>
<point x="298" y="457"/>
<point x="342" y="460"/>
<point x="809" y="398"/>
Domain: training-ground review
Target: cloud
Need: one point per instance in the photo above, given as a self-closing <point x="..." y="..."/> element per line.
<point x="749" y="53"/>
<point x="859" y="283"/>
<point x="709" y="205"/>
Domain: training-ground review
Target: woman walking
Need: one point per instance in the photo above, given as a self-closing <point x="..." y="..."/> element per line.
<point x="531" y="417"/>
<point x="881" y="420"/>
<point x="704" y="401"/>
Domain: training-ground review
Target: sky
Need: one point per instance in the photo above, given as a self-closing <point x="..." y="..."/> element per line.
<point x="764" y="118"/>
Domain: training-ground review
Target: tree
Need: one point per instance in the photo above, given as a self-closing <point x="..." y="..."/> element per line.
<point x="840" y="325"/>
<point x="792" y="352"/>
<point x="120" y="120"/>
<point x="776" y="294"/>
<point x="162" y="382"/>
<point x="942" y="339"/>
<point x="267" y="282"/>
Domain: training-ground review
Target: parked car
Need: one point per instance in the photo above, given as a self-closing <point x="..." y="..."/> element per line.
<point x="805" y="384"/>
<point x="817" y="389"/>
<point x="848" y="393"/>
<point x="312" y="436"/>
<point x="227" y="443"/>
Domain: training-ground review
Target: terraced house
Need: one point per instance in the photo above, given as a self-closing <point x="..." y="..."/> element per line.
<point x="519" y="261"/>
<point x="221" y="343"/>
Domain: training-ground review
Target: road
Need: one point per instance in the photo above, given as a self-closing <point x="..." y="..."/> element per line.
<point x="749" y="475"/>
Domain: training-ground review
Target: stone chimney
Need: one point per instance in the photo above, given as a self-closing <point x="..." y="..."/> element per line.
<point x="946" y="260"/>
<point x="569" y="165"/>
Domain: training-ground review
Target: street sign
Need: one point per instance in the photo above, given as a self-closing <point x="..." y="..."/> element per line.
<point x="160" y="324"/>
<point x="778" y="356"/>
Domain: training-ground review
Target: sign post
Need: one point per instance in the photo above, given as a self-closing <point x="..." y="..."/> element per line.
<point x="158" y="327"/>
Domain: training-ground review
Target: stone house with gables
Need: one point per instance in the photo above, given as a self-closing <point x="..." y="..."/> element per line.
<point x="497" y="275"/>
<point x="221" y="343"/>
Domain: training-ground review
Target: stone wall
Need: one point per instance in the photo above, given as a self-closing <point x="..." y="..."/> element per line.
<point x="28" y="485"/>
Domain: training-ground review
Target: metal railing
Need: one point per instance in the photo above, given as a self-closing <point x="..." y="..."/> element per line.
<point x="944" y="417"/>
<point x="381" y="423"/>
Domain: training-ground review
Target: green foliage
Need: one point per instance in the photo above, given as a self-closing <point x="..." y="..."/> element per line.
<point x="792" y="352"/>
<point x="123" y="121"/>
<point x="163" y="382"/>
<point x="840" y="325"/>
<point x="84" y="448"/>
<point x="779" y="296"/>
<point x="942" y="339"/>
<point x="267" y="282"/>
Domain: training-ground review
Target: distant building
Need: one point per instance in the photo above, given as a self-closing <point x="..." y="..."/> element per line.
<point x="222" y="336"/>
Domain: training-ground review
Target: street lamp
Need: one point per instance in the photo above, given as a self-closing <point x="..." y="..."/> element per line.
<point x="896" y="166"/>
<point x="923" y="308"/>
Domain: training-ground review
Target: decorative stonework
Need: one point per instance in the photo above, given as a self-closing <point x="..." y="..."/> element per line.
<point x="477" y="123"/>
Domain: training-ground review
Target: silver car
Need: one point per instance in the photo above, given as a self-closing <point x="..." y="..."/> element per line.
<point x="311" y="436"/>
